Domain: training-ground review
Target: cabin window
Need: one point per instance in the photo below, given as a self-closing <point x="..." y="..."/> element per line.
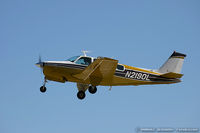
<point x="120" y="67"/>
<point x="84" y="61"/>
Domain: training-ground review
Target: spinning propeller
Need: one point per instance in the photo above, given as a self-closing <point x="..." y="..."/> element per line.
<point x="40" y="64"/>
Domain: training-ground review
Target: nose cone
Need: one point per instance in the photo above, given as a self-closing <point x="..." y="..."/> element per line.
<point x="39" y="64"/>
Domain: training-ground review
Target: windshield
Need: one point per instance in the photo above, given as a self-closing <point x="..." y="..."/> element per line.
<point x="84" y="61"/>
<point x="72" y="59"/>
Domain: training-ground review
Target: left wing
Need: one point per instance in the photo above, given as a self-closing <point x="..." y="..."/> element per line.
<point x="101" y="69"/>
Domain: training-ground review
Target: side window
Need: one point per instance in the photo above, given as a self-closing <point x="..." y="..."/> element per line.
<point x="120" y="67"/>
<point x="84" y="61"/>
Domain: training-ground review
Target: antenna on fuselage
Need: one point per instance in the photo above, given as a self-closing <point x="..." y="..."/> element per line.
<point x="84" y="52"/>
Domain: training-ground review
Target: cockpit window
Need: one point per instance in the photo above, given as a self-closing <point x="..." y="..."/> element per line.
<point x="84" y="61"/>
<point x="72" y="59"/>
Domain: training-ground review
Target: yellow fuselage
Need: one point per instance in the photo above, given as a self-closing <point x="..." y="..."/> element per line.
<point x="129" y="76"/>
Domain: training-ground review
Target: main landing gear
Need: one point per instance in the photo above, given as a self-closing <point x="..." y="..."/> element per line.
<point x="92" y="89"/>
<point x="43" y="88"/>
<point x="81" y="93"/>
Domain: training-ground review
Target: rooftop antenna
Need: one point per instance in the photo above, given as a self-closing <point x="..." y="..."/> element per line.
<point x="84" y="52"/>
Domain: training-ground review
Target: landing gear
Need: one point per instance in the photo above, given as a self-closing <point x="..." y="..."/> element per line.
<point x="92" y="89"/>
<point x="81" y="95"/>
<point x="82" y="88"/>
<point x="43" y="88"/>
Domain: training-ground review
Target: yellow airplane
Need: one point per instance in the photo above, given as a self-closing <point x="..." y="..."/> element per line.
<point x="89" y="72"/>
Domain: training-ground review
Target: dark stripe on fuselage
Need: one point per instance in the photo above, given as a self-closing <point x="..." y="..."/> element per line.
<point x="66" y="65"/>
<point x="138" y="75"/>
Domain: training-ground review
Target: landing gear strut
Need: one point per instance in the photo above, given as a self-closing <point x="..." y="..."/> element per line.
<point x="43" y="88"/>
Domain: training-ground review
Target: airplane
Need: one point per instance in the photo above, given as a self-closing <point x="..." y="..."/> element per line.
<point x="89" y="72"/>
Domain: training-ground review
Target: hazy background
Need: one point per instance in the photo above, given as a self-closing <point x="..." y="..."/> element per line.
<point x="141" y="33"/>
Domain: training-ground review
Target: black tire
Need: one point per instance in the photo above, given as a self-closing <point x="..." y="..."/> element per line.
<point x="92" y="89"/>
<point x="43" y="89"/>
<point x="81" y="95"/>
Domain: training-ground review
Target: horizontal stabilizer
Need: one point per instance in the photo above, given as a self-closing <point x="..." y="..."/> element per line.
<point x="172" y="75"/>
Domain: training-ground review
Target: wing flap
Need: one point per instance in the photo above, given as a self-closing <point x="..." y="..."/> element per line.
<point x="172" y="75"/>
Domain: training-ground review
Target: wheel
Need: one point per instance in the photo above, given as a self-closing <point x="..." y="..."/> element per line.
<point x="81" y="95"/>
<point x="92" y="89"/>
<point x="43" y="89"/>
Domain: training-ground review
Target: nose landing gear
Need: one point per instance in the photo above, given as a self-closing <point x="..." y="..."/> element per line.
<point x="43" y="88"/>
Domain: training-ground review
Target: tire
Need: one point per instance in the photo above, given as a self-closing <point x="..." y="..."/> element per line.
<point x="92" y="89"/>
<point x="81" y="95"/>
<point x="43" y="89"/>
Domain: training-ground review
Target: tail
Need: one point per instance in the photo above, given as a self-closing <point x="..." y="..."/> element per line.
<point x="173" y="64"/>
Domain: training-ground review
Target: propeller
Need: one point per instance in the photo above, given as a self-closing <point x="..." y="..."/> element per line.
<point x="40" y="60"/>
<point x="40" y="64"/>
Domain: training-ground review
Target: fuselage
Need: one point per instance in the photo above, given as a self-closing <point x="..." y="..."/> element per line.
<point x="62" y="71"/>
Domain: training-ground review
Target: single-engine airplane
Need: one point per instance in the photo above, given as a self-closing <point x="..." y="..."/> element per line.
<point x="90" y="72"/>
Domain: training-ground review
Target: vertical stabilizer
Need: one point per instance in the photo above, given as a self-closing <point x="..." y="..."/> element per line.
<point x="173" y="64"/>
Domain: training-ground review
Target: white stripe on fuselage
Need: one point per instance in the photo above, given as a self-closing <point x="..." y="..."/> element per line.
<point x="65" y="64"/>
<point x="62" y="62"/>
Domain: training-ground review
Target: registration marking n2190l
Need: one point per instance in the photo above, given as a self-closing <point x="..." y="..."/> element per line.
<point x="137" y="75"/>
